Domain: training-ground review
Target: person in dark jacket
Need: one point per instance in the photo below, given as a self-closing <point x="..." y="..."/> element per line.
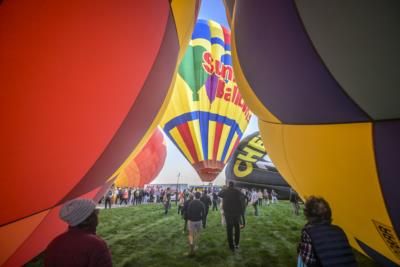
<point x="215" y="201"/>
<point x="294" y="199"/>
<point x="195" y="215"/>
<point x="184" y="210"/>
<point x="233" y="204"/>
<point x="167" y="200"/>
<point x="108" y="198"/>
<point x="79" y="246"/>
<point x="206" y="200"/>
<point x="322" y="243"/>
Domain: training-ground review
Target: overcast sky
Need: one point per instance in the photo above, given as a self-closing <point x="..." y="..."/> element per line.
<point x="175" y="162"/>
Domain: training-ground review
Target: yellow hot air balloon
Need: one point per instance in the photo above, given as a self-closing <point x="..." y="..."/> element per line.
<point x="206" y="116"/>
<point x="323" y="79"/>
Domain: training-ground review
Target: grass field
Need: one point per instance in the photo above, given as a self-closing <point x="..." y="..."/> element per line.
<point x="144" y="236"/>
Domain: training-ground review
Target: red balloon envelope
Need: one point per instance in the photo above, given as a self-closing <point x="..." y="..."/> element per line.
<point x="146" y="165"/>
<point x="81" y="85"/>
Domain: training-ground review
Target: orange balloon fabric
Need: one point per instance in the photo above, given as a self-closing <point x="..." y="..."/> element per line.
<point x="146" y="165"/>
<point x="81" y="85"/>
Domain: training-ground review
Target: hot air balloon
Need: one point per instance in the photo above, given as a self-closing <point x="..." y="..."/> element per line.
<point x="206" y="116"/>
<point x="323" y="79"/>
<point x="250" y="166"/>
<point x="81" y="88"/>
<point x="146" y="165"/>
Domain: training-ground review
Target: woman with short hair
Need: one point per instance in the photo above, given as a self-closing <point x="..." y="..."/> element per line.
<point x="322" y="243"/>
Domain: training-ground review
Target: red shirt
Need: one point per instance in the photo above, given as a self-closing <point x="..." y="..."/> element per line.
<point x="77" y="247"/>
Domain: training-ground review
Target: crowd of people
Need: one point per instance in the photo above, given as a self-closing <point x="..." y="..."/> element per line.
<point x="120" y="196"/>
<point x="124" y="196"/>
<point x="322" y="243"/>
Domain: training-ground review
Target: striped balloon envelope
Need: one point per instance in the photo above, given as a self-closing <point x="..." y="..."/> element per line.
<point x="206" y="116"/>
<point x="146" y="165"/>
<point x="323" y="79"/>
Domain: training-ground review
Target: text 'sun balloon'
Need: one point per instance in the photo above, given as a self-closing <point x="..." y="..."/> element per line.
<point x="206" y="116"/>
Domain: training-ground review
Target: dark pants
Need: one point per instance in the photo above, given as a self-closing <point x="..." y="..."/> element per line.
<point x="205" y="219"/>
<point x="255" y="205"/>
<point x="233" y="222"/>
<point x="243" y="217"/>
<point x="185" y="225"/>
<point x="243" y="220"/>
<point x="108" y="200"/>
<point x="215" y="207"/>
<point x="296" y="207"/>
<point x="166" y="207"/>
<point x="180" y="209"/>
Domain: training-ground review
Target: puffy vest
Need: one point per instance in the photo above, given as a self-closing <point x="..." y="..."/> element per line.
<point x="331" y="246"/>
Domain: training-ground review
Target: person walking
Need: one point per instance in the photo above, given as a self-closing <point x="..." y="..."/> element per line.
<point x="195" y="214"/>
<point x="176" y="197"/>
<point x="108" y="198"/>
<point x="266" y="197"/>
<point x="184" y="210"/>
<point x="294" y="199"/>
<point x="274" y="196"/>
<point x="260" y="197"/>
<point x="214" y="201"/>
<point x="206" y="200"/>
<point x="119" y="196"/>
<point x="115" y="196"/>
<point x="254" y="201"/>
<point x="79" y="246"/>
<point x="322" y="243"/>
<point x="124" y="197"/>
<point x="181" y="202"/>
<point x="129" y="196"/>
<point x="233" y="209"/>
<point x="167" y="200"/>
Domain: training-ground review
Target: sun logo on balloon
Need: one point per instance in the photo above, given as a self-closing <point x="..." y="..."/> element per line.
<point x="214" y="74"/>
<point x="194" y="79"/>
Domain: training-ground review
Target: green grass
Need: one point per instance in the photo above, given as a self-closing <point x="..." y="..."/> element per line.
<point x="143" y="236"/>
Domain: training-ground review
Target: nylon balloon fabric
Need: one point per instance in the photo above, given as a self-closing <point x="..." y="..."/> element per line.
<point x="323" y="80"/>
<point x="251" y="167"/>
<point x="146" y="165"/>
<point x="206" y="116"/>
<point x="82" y="87"/>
